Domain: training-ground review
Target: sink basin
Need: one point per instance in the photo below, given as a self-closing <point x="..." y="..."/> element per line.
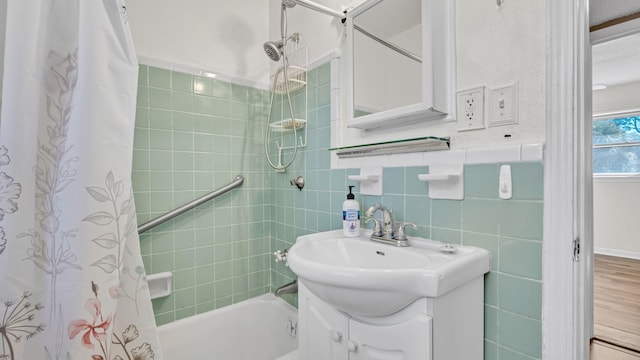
<point x="365" y="278"/>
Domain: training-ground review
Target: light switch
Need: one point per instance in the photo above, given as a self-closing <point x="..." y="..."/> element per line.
<point x="503" y="104"/>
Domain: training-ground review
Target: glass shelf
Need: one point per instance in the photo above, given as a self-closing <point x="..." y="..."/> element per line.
<point x="423" y="144"/>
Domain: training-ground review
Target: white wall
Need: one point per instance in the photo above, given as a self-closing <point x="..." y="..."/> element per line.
<point x="494" y="46"/>
<point x="618" y="98"/>
<point x="217" y="36"/>
<point x="321" y="33"/>
<point x="616" y="217"/>
<point x="226" y="36"/>
<point x="615" y="202"/>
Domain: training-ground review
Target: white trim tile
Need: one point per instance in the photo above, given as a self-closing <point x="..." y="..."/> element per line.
<point x="411" y="159"/>
<point x="493" y="154"/>
<point x="532" y="152"/>
<point x="335" y="73"/>
<point x="191" y="70"/>
<point x="328" y="57"/>
<point x="445" y="157"/>
<point x="335" y="105"/>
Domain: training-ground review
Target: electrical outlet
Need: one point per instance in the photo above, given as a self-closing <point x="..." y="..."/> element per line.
<point x="471" y="109"/>
<point x="503" y="104"/>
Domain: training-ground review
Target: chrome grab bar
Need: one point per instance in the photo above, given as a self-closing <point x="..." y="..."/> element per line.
<point x="237" y="181"/>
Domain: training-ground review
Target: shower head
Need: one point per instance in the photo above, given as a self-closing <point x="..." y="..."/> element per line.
<point x="273" y="49"/>
<point x="289" y="3"/>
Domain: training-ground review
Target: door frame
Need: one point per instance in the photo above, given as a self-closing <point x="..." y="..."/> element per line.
<point x="567" y="312"/>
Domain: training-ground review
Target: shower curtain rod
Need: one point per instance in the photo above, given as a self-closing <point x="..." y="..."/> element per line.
<point x="321" y="8"/>
<point x="237" y="181"/>
<point x="342" y="16"/>
<point x="391" y="46"/>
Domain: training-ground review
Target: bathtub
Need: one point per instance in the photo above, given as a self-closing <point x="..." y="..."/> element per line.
<point x="261" y="328"/>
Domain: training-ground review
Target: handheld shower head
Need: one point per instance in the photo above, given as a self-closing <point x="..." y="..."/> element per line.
<point x="273" y="49"/>
<point x="289" y="3"/>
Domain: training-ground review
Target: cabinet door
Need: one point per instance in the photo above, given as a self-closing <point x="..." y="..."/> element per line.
<point x="410" y="340"/>
<point x="323" y="331"/>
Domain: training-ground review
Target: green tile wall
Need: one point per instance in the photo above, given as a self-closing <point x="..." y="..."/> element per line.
<point x="194" y="134"/>
<point x="510" y="229"/>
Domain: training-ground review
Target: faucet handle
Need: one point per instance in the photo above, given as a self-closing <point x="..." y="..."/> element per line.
<point x="377" y="228"/>
<point x="281" y="255"/>
<point x="401" y="232"/>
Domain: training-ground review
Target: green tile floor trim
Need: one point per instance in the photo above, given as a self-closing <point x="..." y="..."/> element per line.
<point x="187" y="130"/>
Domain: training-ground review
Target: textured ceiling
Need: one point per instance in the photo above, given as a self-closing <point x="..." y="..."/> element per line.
<point x="601" y="11"/>
<point x="617" y="62"/>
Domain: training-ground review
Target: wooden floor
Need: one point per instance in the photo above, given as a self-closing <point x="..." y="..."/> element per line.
<point x="603" y="351"/>
<point x="616" y="305"/>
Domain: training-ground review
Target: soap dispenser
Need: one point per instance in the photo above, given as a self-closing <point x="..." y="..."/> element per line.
<point x="351" y="215"/>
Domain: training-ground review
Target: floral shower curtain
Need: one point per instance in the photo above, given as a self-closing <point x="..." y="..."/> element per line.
<point x="72" y="284"/>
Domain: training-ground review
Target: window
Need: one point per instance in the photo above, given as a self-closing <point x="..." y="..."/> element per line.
<point x="616" y="144"/>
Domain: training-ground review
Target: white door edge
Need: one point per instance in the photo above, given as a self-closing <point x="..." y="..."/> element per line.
<point x="565" y="324"/>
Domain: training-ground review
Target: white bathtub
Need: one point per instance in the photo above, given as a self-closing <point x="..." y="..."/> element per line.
<point x="256" y="329"/>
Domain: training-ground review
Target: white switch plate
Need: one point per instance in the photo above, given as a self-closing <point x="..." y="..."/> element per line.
<point x="471" y="109"/>
<point x="503" y="104"/>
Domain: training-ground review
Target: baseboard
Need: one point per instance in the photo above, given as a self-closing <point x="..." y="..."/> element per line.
<point x="618" y="253"/>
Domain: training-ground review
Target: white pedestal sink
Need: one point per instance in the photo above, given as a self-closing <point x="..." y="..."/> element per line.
<point x="365" y="278"/>
<point x="360" y="299"/>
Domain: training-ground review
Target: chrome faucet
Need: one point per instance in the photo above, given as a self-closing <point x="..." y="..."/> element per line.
<point x="387" y="232"/>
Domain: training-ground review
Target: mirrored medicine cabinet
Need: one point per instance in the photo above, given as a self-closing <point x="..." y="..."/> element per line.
<point x="400" y="58"/>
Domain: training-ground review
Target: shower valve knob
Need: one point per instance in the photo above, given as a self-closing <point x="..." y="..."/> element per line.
<point x="298" y="182"/>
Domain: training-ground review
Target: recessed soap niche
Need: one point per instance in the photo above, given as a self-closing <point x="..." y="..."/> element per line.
<point x="159" y="284"/>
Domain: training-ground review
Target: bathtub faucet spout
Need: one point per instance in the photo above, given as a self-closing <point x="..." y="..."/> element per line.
<point x="290" y="288"/>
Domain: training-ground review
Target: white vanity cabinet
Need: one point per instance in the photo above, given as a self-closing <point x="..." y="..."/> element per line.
<point x="444" y="328"/>
<point x="391" y="342"/>
<point x="327" y="334"/>
<point x="359" y="299"/>
<point x="323" y="332"/>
